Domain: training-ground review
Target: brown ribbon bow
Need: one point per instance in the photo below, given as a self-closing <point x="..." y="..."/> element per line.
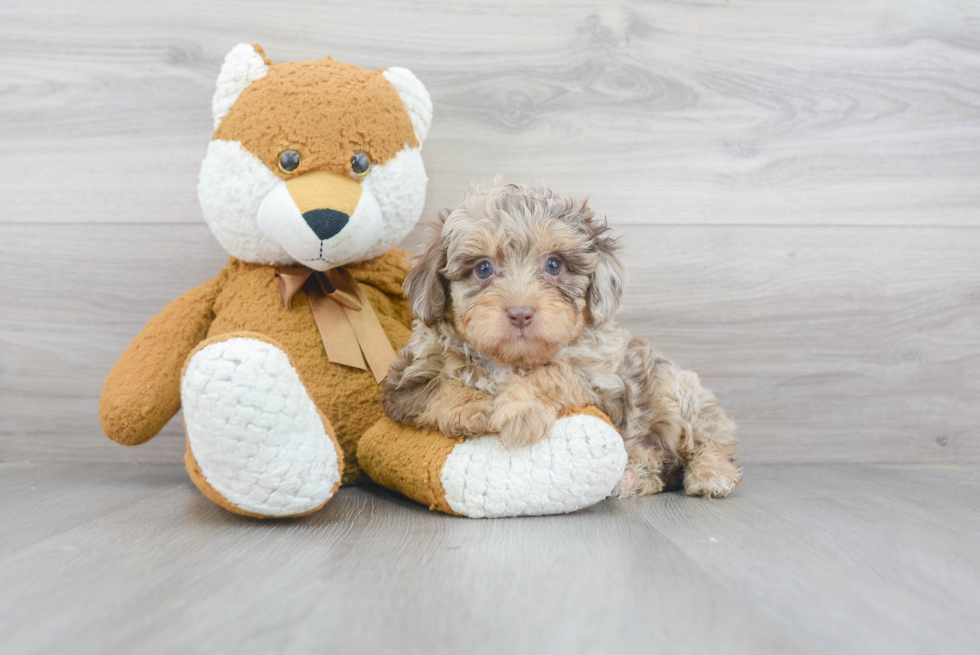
<point x="349" y="328"/>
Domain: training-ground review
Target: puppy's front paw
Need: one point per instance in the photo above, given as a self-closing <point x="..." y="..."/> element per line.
<point x="468" y="420"/>
<point x="522" y="424"/>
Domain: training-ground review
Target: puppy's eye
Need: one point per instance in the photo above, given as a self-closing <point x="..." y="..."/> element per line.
<point x="553" y="266"/>
<point x="288" y="161"/>
<point x="360" y="164"/>
<point x="483" y="269"/>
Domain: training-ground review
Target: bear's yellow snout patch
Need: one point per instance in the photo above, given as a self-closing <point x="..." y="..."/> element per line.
<point x="321" y="190"/>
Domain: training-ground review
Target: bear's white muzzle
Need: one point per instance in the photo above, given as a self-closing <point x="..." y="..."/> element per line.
<point x="320" y="219"/>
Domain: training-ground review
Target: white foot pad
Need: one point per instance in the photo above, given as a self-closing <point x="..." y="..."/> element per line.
<point x="576" y="465"/>
<point x="254" y="430"/>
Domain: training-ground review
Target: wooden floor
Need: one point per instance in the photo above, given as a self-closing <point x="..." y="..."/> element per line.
<point x="130" y="558"/>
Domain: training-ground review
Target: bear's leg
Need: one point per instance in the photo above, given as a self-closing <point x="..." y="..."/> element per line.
<point x="577" y="464"/>
<point x="256" y="443"/>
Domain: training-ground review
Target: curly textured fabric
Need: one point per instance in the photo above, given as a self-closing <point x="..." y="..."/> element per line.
<point x="407" y="460"/>
<point x="272" y="425"/>
<point x="415" y="98"/>
<point x="322" y="109"/>
<point x="143" y="389"/>
<point x="576" y="465"/>
<point x="249" y="301"/>
<point x="253" y="432"/>
<point x="242" y="66"/>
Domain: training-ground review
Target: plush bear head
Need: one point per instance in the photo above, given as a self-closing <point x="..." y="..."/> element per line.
<point x="315" y="163"/>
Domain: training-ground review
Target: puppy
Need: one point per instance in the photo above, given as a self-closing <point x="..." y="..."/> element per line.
<point x="515" y="297"/>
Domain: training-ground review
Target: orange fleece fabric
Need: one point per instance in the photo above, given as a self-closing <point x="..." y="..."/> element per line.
<point x="325" y="110"/>
<point x="407" y="460"/>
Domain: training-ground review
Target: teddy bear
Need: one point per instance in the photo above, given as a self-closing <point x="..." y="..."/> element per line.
<point x="312" y="177"/>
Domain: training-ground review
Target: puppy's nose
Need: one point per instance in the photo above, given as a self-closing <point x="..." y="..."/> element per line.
<point x="326" y="223"/>
<point x="520" y="316"/>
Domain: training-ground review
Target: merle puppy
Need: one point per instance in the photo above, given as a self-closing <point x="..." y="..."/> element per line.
<point x="515" y="297"/>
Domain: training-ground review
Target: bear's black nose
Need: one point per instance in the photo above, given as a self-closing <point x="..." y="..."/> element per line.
<point x="326" y="223"/>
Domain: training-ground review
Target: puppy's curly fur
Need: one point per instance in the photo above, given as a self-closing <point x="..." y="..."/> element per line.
<point x="515" y="296"/>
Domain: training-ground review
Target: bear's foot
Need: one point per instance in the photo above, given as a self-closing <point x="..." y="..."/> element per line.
<point x="256" y="443"/>
<point x="577" y="464"/>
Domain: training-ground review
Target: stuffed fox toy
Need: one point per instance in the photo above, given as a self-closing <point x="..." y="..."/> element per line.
<point x="313" y="175"/>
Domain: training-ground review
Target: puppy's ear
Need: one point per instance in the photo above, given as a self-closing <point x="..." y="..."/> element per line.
<point x="609" y="279"/>
<point x="425" y="287"/>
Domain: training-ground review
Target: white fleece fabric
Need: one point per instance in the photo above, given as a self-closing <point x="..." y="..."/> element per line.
<point x="576" y="465"/>
<point x="399" y="189"/>
<point x="281" y="221"/>
<point x="414" y="96"/>
<point x="242" y="66"/>
<point x="234" y="184"/>
<point x="254" y="430"/>
<point x="231" y="187"/>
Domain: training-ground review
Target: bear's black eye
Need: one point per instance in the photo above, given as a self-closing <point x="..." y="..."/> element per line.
<point x="288" y="161"/>
<point x="553" y="266"/>
<point x="360" y="164"/>
<point x="483" y="269"/>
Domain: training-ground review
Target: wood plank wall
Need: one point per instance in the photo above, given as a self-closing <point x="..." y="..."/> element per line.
<point x="797" y="185"/>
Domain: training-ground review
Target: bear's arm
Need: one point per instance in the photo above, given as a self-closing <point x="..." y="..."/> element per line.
<point x="142" y="391"/>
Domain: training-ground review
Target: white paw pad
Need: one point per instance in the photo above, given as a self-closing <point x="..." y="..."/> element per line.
<point x="254" y="430"/>
<point x="576" y="465"/>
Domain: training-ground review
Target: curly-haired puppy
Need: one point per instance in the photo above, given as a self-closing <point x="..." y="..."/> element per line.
<point x="515" y="297"/>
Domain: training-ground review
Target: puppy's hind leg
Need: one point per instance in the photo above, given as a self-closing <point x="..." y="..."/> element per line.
<point x="710" y="444"/>
<point x="711" y="472"/>
<point x="649" y="470"/>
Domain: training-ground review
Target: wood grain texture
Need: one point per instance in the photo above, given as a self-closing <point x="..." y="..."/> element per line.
<point x="41" y="501"/>
<point x="907" y="556"/>
<point x="826" y="344"/>
<point x="796" y="184"/>
<point x="752" y="111"/>
<point x="801" y="559"/>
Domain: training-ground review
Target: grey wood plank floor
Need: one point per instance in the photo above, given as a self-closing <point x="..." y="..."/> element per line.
<point x="124" y="558"/>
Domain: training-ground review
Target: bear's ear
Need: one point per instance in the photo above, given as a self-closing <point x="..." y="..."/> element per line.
<point x="243" y="65"/>
<point x="415" y="98"/>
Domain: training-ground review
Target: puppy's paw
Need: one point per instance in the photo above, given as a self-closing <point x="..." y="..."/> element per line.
<point x="522" y="424"/>
<point x="468" y="420"/>
<point x="637" y="481"/>
<point x="714" y="480"/>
